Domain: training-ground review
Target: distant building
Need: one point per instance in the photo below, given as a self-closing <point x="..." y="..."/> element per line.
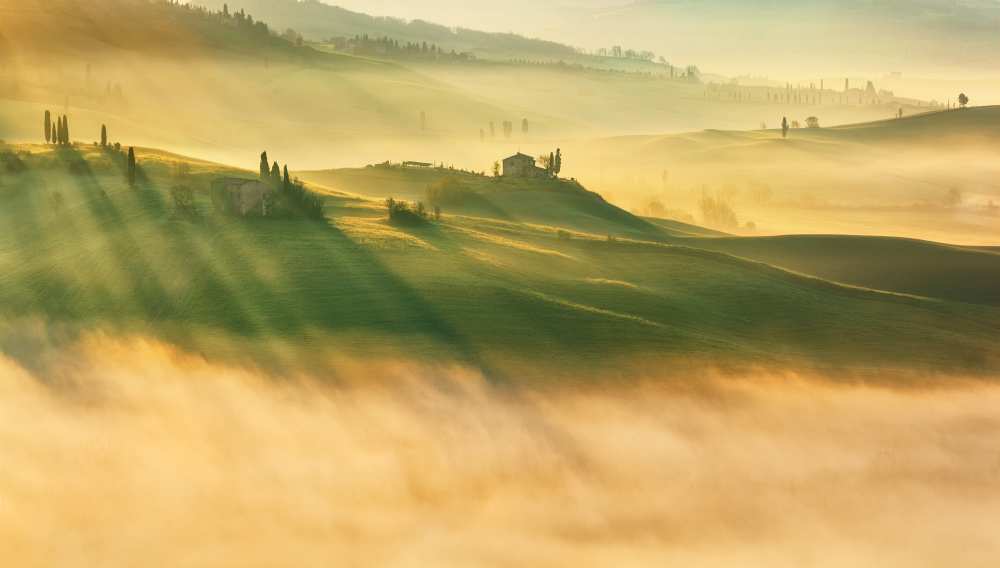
<point x="522" y="166"/>
<point x="243" y="197"/>
<point x="417" y="165"/>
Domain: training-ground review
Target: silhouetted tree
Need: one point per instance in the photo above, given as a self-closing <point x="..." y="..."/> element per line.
<point x="286" y="181"/>
<point x="496" y="169"/>
<point x="551" y="166"/>
<point x="48" y="127"/>
<point x="265" y="167"/>
<point x="275" y="175"/>
<point x="104" y="136"/>
<point x="784" y="127"/>
<point x="131" y="166"/>
<point x="963" y="100"/>
<point x="557" y="162"/>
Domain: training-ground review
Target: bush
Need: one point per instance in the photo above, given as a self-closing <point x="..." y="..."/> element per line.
<point x="403" y="213"/>
<point x="183" y="198"/>
<point x="294" y="200"/>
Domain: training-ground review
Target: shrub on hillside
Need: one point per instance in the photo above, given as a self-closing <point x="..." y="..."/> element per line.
<point x="183" y="198"/>
<point x="294" y="200"/>
<point x="403" y="213"/>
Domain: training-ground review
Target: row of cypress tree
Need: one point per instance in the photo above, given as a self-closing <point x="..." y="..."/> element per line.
<point x="58" y="132"/>
<point x="293" y="199"/>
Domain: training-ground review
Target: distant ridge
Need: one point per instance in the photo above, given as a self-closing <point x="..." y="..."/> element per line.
<point x="319" y="21"/>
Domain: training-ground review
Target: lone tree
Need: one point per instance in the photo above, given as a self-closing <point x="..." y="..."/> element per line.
<point x="131" y="166"/>
<point x="287" y="181"/>
<point x="104" y="136"/>
<point x="48" y="127"/>
<point x="963" y="100"/>
<point x="275" y="175"/>
<point x="265" y="167"/>
<point x="557" y="162"/>
<point x="784" y="127"/>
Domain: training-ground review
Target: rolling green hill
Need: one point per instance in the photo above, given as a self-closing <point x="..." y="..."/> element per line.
<point x="61" y="28"/>
<point x="559" y="203"/>
<point x="79" y="249"/>
<point x="901" y="265"/>
<point x="892" y="264"/>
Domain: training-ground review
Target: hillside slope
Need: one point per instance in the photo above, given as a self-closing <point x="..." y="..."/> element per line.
<point x="320" y="21"/>
<point x="69" y="28"/>
<point x="929" y="176"/>
<point x="558" y="203"/>
<point x="81" y="250"/>
<point x="901" y="265"/>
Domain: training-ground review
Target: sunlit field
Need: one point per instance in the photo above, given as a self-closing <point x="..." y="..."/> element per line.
<point x="282" y="282"/>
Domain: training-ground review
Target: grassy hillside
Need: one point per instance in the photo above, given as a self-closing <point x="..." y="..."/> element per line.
<point x="79" y="249"/>
<point x="59" y="28"/>
<point x="901" y="265"/>
<point x="558" y="203"/>
<point x="891" y="264"/>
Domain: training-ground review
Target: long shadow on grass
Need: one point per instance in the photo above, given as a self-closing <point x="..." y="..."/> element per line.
<point x="324" y="280"/>
<point x="341" y="285"/>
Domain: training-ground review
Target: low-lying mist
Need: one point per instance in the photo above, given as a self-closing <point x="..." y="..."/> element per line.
<point x="126" y="453"/>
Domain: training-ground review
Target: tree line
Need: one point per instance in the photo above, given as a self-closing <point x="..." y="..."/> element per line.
<point x="385" y="46"/>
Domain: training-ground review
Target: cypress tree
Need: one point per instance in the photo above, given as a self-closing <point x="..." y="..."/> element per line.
<point x="552" y="163"/>
<point x="288" y="182"/>
<point x="48" y="127"/>
<point x="104" y="136"/>
<point x="131" y="166"/>
<point x="558" y="161"/>
<point x="275" y="175"/>
<point x="66" y="129"/>
<point x="265" y="169"/>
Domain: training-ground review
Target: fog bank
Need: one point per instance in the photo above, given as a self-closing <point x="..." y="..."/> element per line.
<point x="130" y="453"/>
